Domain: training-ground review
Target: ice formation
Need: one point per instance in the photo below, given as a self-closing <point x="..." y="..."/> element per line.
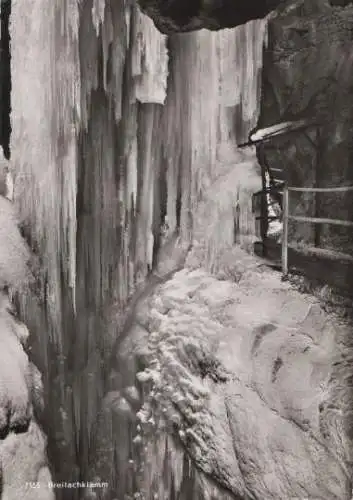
<point x="110" y="129"/>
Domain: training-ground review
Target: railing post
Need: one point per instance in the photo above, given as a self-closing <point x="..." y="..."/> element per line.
<point x="264" y="207"/>
<point x="285" y="231"/>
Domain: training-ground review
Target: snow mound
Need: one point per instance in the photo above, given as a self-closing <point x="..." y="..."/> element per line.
<point x="246" y="384"/>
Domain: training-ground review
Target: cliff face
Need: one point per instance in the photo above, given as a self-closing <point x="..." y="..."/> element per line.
<point x="306" y="74"/>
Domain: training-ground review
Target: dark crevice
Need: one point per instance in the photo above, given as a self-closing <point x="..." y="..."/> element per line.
<point x="160" y="211"/>
<point x="178" y="200"/>
<point x="276" y="367"/>
<point x="5" y="78"/>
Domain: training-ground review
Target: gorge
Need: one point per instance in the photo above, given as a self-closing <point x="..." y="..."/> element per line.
<point x="146" y="352"/>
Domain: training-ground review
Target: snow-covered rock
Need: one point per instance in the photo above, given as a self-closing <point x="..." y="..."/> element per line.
<point x="23" y="463"/>
<point x="25" y="473"/>
<point x="250" y="381"/>
<point x="14" y="254"/>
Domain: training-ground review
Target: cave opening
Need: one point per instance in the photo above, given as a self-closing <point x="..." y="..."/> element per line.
<point x="5" y="78"/>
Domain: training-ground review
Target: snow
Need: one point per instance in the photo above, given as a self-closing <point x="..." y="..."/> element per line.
<point x="22" y="454"/>
<point x="245" y="418"/>
<point x="14" y="389"/>
<point x="23" y="459"/>
<point x="276" y="130"/>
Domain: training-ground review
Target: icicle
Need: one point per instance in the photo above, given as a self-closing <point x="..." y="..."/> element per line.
<point x="127" y="21"/>
<point x="145" y="238"/>
<point x="98" y="10"/>
<point x="202" y="129"/>
<point x="9" y="186"/>
<point x="172" y="186"/>
<point x="69" y="212"/>
<point x="150" y="61"/>
<point x="132" y="176"/>
<point x="240" y="65"/>
<point x="43" y="139"/>
<point x="119" y="48"/>
<point x="107" y="38"/>
<point x="254" y="40"/>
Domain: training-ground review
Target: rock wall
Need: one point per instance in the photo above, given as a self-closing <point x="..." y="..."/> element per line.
<point x="307" y="74"/>
<point x="5" y="77"/>
<point x="184" y="15"/>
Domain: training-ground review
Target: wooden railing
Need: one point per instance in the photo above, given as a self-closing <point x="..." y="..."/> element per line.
<point x="315" y="220"/>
